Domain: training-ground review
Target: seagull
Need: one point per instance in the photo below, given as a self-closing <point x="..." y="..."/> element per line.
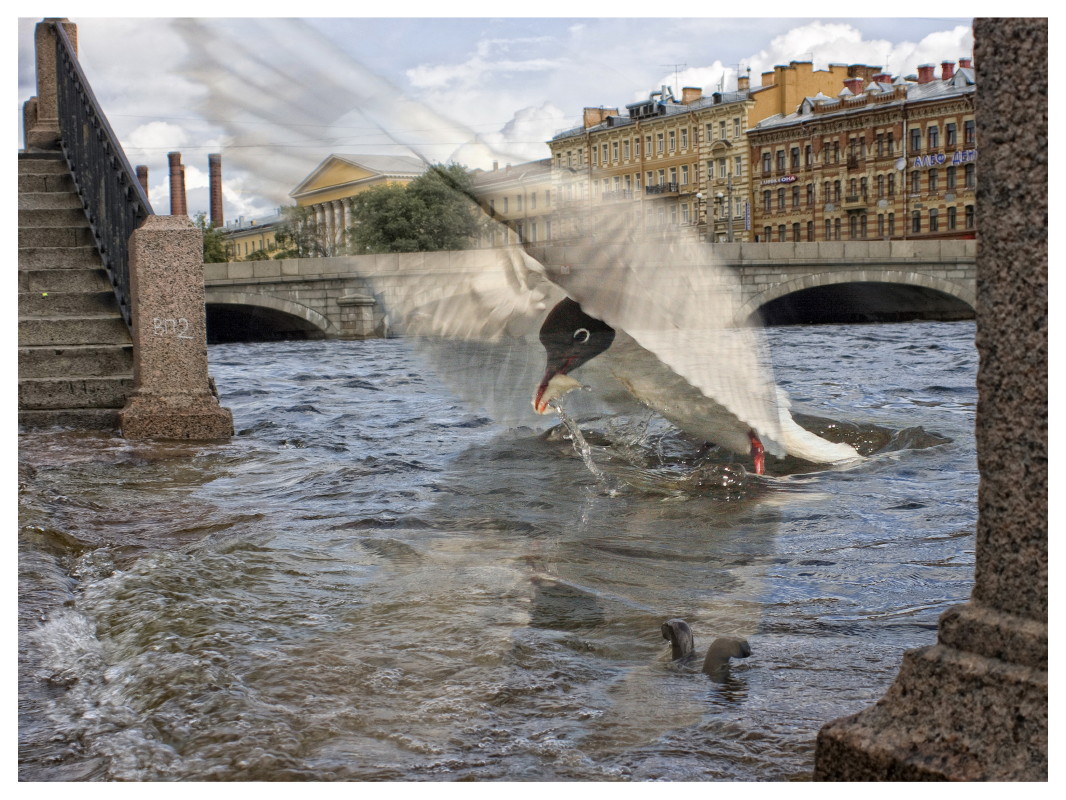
<point x="644" y="319"/>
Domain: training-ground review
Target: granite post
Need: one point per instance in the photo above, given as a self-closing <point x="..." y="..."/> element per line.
<point x="173" y="397"/>
<point x="40" y="114"/>
<point x="974" y="706"/>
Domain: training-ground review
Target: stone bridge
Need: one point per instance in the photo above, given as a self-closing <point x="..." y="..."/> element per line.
<point x="783" y="282"/>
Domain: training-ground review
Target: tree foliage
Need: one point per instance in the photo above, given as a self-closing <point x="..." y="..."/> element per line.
<point x="301" y="235"/>
<point x="433" y="212"/>
<point x="214" y="243"/>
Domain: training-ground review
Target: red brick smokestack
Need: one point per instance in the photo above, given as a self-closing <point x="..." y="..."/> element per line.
<point x="142" y="178"/>
<point x="947" y="70"/>
<point x="854" y="85"/>
<point x="925" y="73"/>
<point x="177" y="186"/>
<point x="214" y="168"/>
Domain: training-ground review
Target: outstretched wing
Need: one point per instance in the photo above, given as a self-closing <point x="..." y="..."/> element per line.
<point x="679" y="304"/>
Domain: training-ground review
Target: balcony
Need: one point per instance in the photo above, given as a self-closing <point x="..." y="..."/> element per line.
<point x="665" y="189"/>
<point x="616" y="195"/>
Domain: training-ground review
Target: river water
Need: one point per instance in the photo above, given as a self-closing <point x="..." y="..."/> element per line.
<point x="373" y="581"/>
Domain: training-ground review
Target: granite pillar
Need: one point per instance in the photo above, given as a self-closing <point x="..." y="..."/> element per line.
<point x="41" y="113"/>
<point x="173" y="397"/>
<point x="974" y="706"/>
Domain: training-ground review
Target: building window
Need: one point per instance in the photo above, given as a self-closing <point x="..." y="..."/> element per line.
<point x="916" y="182"/>
<point x="614" y="151"/>
<point x="505" y="204"/>
<point x="828" y="230"/>
<point x="625" y="149"/>
<point x="880" y="140"/>
<point x="969" y="132"/>
<point x="518" y="203"/>
<point x="673" y="175"/>
<point x="951" y="134"/>
<point x="864" y="188"/>
<point x="736" y="127"/>
<point x="826" y="195"/>
<point x="684" y="175"/>
<point x="780" y="160"/>
<point x="891" y="225"/>
<point x="952" y="178"/>
<point x="533" y="232"/>
<point x="636" y="148"/>
<point x="916" y="140"/>
<point x="684" y="138"/>
<point x="795" y="231"/>
<point x="595" y="157"/>
<point x="795" y="158"/>
<point x="721" y="129"/>
<point x="970" y="220"/>
<point x="880" y="226"/>
<point x="933" y="137"/>
<point x="684" y="214"/>
<point x="721" y="168"/>
<point x="710" y="170"/>
<point x="766" y="195"/>
<point x="836" y="191"/>
<point x="970" y="174"/>
<point x="810" y="194"/>
<point x="934" y="181"/>
<point x="810" y="231"/>
<point x="662" y="177"/>
<point x="738" y="166"/>
<point x="808" y="156"/>
<point x="836" y="229"/>
<point x="862" y="226"/>
<point x="710" y="132"/>
<point x="890" y="143"/>
<point x="647" y="146"/>
<point x="673" y="141"/>
<point x="853" y="226"/>
<point x="766" y="163"/>
<point x="659" y="140"/>
<point x="781" y="235"/>
<point x="795" y="196"/>
<point x="780" y="199"/>
<point x="934" y="220"/>
<point x="891" y="184"/>
<point x="880" y="186"/>
<point x="953" y="218"/>
<point x="916" y="222"/>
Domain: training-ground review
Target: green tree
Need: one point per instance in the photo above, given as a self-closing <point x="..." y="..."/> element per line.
<point x="214" y="243"/>
<point x="435" y="211"/>
<point x="302" y="236"/>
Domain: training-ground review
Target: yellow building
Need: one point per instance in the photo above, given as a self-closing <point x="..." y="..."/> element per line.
<point x="251" y="237"/>
<point x="676" y="162"/>
<point x="339" y="178"/>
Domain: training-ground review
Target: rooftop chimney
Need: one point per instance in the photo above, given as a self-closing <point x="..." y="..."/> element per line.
<point x="214" y="168"/>
<point x="883" y="77"/>
<point x="142" y="178"/>
<point x="947" y="70"/>
<point x="743" y="83"/>
<point x="966" y="63"/>
<point x="690" y="94"/>
<point x="925" y="73"/>
<point x="594" y="116"/>
<point x="177" y="186"/>
<point x="854" y="85"/>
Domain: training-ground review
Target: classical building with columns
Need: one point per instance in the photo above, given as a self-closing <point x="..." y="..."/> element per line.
<point x="326" y="192"/>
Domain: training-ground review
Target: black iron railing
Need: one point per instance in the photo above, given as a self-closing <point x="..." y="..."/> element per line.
<point x="111" y="195"/>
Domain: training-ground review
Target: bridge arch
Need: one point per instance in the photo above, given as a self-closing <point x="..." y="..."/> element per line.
<point x="933" y="297"/>
<point x="247" y="316"/>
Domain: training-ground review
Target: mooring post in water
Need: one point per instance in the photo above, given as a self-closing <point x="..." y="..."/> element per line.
<point x="974" y="706"/>
<point x="173" y="397"/>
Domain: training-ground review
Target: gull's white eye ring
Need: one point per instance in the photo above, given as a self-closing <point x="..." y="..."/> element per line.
<point x="581" y="335"/>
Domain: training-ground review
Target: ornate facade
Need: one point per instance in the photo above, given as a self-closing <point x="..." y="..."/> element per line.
<point x="883" y="159"/>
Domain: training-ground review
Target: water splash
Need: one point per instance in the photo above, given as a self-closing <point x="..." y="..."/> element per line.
<point x="584" y="449"/>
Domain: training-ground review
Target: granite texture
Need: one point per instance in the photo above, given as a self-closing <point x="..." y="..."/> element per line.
<point x="975" y="706"/>
<point x="173" y="397"/>
<point x="41" y="113"/>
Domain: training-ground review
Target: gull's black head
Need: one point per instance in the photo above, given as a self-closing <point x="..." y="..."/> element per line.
<point x="570" y="337"/>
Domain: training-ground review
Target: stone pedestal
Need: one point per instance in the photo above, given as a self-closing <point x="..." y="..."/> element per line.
<point x="40" y="114"/>
<point x="974" y="706"/>
<point x="173" y="397"/>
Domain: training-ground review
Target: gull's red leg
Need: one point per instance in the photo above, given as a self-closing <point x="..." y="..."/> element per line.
<point x="758" y="453"/>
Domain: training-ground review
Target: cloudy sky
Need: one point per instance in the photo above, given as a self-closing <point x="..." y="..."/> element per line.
<point x="277" y="96"/>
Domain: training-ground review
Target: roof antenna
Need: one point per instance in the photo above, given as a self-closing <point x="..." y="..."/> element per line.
<point x="676" y="87"/>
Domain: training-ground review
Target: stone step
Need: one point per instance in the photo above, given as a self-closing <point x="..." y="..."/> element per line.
<point x="56" y="237"/>
<point x="84" y="360"/>
<point x="64" y="280"/>
<point x="42" y="162"/>
<point x="52" y="218"/>
<point x="88" y="329"/>
<point x="54" y="304"/>
<point x="84" y="256"/>
<point x="78" y="418"/>
<point x="43" y="182"/>
<point x="87" y="392"/>
<point x="33" y="201"/>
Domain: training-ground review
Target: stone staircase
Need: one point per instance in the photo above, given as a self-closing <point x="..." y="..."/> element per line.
<point x="75" y="350"/>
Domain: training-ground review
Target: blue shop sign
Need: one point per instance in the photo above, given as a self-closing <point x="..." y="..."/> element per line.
<point x="937" y="159"/>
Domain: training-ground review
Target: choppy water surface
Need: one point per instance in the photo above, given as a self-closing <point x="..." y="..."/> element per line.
<point x="373" y="582"/>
